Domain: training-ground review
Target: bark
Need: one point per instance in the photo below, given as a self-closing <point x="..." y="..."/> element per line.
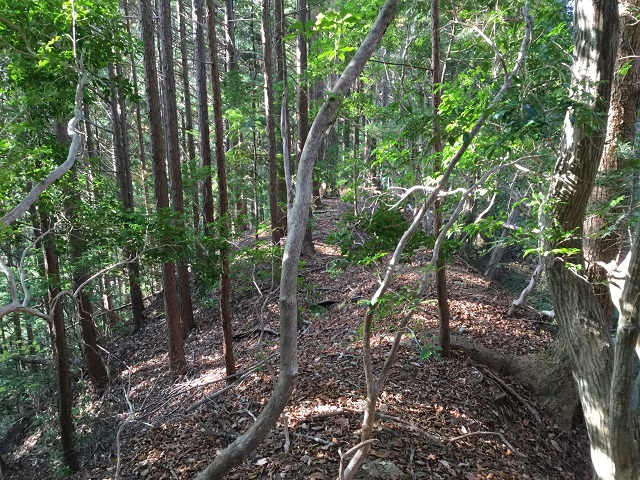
<point x="302" y="108"/>
<point x="297" y="220"/>
<point x="436" y="92"/>
<point x="177" y="361"/>
<point x="61" y="354"/>
<point x="186" y="95"/>
<point x="600" y="246"/>
<point x="223" y="199"/>
<point x="498" y="251"/>
<point x="173" y="158"/>
<point x="596" y="361"/>
<point x="125" y="187"/>
<point x="277" y="215"/>
<point x="230" y="34"/>
<point x="204" y="132"/>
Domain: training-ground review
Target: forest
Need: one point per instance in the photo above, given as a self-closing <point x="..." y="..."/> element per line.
<point x="332" y="239"/>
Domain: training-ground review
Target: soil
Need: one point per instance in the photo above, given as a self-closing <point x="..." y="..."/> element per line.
<point x="439" y="419"/>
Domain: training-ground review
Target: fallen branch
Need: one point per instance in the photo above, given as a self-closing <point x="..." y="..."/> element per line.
<point x="430" y="438"/>
<point x="504" y="440"/>
<point x="521" y="300"/>
<point x="532" y="411"/>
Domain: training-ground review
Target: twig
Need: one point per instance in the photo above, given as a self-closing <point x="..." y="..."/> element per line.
<point x="504" y="440"/>
<point x="319" y="440"/>
<point x="287" y="440"/>
<point x="532" y="411"/>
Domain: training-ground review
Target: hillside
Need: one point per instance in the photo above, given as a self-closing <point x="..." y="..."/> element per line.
<point x="448" y="419"/>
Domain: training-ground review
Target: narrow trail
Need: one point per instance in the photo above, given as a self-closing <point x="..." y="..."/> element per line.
<point x="172" y="431"/>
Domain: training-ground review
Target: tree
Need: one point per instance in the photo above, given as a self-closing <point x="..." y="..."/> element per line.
<point x="177" y="361"/>
<point x="602" y="369"/>
<point x="170" y="118"/>
<point x="297" y="221"/>
<point x="223" y="199"/>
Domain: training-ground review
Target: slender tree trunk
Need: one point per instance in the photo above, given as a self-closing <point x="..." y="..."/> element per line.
<point x="277" y="215"/>
<point x="436" y="92"/>
<point x="223" y="200"/>
<point x="230" y="34"/>
<point x="302" y="107"/>
<point x="249" y="440"/>
<point x="61" y="354"/>
<point x="204" y="132"/>
<point x="188" y="122"/>
<point x="125" y="185"/>
<point x="177" y="361"/>
<point x="173" y="158"/>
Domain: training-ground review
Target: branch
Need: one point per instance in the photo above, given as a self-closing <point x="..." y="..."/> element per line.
<point x="58" y="172"/>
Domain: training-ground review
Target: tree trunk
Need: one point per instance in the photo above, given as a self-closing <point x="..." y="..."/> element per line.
<point x="177" y="361"/>
<point x="277" y="215"/>
<point x="173" y="158"/>
<point x="223" y="200"/>
<point x="297" y="220"/>
<point x="596" y="361"/>
<point x="600" y="246"/>
<point x="204" y="132"/>
<point x="436" y="92"/>
<point x="186" y="95"/>
<point x="61" y="354"/>
<point x="302" y="107"/>
<point x="125" y="186"/>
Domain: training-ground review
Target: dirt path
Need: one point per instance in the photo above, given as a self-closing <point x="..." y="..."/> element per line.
<point x="423" y="398"/>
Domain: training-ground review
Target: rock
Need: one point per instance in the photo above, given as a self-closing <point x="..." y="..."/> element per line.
<point x="381" y="470"/>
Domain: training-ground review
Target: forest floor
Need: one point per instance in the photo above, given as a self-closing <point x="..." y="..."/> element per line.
<point x="165" y="433"/>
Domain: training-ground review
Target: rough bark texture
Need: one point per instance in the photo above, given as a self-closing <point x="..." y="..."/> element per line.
<point x="600" y="246"/>
<point x="125" y="187"/>
<point x="297" y="221"/>
<point x="204" y="132"/>
<point x="173" y="157"/>
<point x="581" y="321"/>
<point x="172" y="313"/>
<point x="223" y="199"/>
<point x="441" y="269"/>
<point x="277" y="215"/>
<point x="61" y="354"/>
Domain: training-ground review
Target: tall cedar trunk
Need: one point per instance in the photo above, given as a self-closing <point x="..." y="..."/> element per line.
<point x="204" y="132"/>
<point x="177" y="361"/>
<point x="173" y="157"/>
<point x="302" y="107"/>
<point x="436" y="92"/>
<point x="281" y="106"/>
<point x="230" y="34"/>
<point x="277" y="215"/>
<point x="125" y="187"/>
<point x="77" y="244"/>
<point x="601" y="369"/>
<point x="188" y="110"/>
<point x="61" y="354"/>
<point x="140" y="132"/>
<point x="223" y="200"/>
<point x="297" y="220"/>
<point x="621" y="128"/>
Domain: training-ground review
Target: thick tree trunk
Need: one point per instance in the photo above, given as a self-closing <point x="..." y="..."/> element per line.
<point x="223" y="199"/>
<point x="600" y="246"/>
<point x="596" y="361"/>
<point x="297" y="220"/>
<point x="177" y="361"/>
